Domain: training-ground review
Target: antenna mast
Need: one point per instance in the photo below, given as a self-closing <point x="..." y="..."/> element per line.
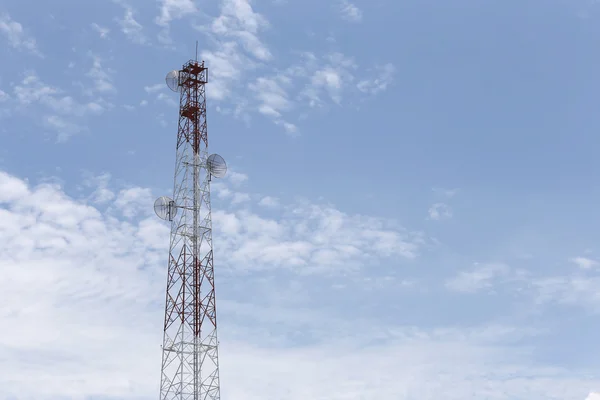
<point x="190" y="366"/>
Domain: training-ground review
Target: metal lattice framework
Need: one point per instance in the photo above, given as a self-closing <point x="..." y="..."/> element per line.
<point x="190" y="366"/>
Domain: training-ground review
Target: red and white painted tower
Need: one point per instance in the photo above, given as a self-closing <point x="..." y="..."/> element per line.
<point x="190" y="362"/>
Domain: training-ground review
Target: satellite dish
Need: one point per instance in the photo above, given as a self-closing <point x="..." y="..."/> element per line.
<point x="216" y="166"/>
<point x="165" y="208"/>
<point x="172" y="80"/>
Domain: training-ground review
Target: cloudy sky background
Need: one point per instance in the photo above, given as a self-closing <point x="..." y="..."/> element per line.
<point x="410" y="213"/>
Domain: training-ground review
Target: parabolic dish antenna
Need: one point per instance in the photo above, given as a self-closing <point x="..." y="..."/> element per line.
<point x="172" y="80"/>
<point x="165" y="208"/>
<point x="216" y="166"/>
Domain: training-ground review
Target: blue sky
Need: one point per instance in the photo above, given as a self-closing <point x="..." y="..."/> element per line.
<point x="410" y="210"/>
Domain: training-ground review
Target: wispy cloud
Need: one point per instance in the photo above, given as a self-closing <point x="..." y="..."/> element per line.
<point x="332" y="77"/>
<point x="161" y="94"/>
<point x="480" y="277"/>
<point x="237" y="178"/>
<point x="328" y="76"/>
<point x="314" y="82"/>
<point x="310" y="81"/>
<point x="569" y="290"/>
<point x="383" y="78"/>
<point x="157" y="87"/>
<point x="101" y="193"/>
<point x="350" y="12"/>
<point x="226" y="65"/>
<point x="575" y="290"/>
<point x="239" y="21"/>
<point x="16" y="35"/>
<point x="445" y="192"/>
<point x="64" y="127"/>
<point x="238" y="47"/>
<point x="439" y="211"/>
<point x="269" y="201"/>
<point x="171" y="10"/>
<point x="272" y="95"/>
<point x="101" y="30"/>
<point x="312" y="239"/>
<point x="584" y="262"/>
<point x="100" y="76"/>
<point x="174" y="9"/>
<point x="60" y="112"/>
<point x="131" y="28"/>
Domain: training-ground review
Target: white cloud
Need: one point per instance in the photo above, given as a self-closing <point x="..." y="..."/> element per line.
<point x="64" y="128"/>
<point x="101" y="193"/>
<point x="288" y="127"/>
<point x="269" y="201"/>
<point x="481" y="277"/>
<point x="445" y="192"/>
<point x="222" y="191"/>
<point x="593" y="396"/>
<point x="16" y="35"/>
<point x="237" y="178"/>
<point x="237" y="46"/>
<point x="11" y="188"/>
<point x="169" y="100"/>
<point x="350" y="12"/>
<point x="384" y="77"/>
<point x="334" y="74"/>
<point x="154" y="88"/>
<point x="70" y="268"/>
<point x="238" y="20"/>
<point x="272" y="97"/>
<point x="312" y="239"/>
<point x="134" y="202"/>
<point x="102" y="31"/>
<point x="131" y="28"/>
<point x="33" y="90"/>
<point x="410" y="367"/>
<point x="93" y="279"/>
<point x="439" y="211"/>
<point x="575" y="291"/>
<point x="162" y="96"/>
<point x="3" y="96"/>
<point x="226" y="64"/>
<point x="239" y="198"/>
<point x="101" y="77"/>
<point x="60" y="112"/>
<point x="174" y="9"/>
<point x="314" y="80"/>
<point x="584" y="263"/>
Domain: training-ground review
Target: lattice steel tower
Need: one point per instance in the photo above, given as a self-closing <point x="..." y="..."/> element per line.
<point x="190" y="365"/>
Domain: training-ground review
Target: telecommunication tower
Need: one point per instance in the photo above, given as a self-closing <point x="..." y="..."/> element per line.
<point x="190" y="362"/>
